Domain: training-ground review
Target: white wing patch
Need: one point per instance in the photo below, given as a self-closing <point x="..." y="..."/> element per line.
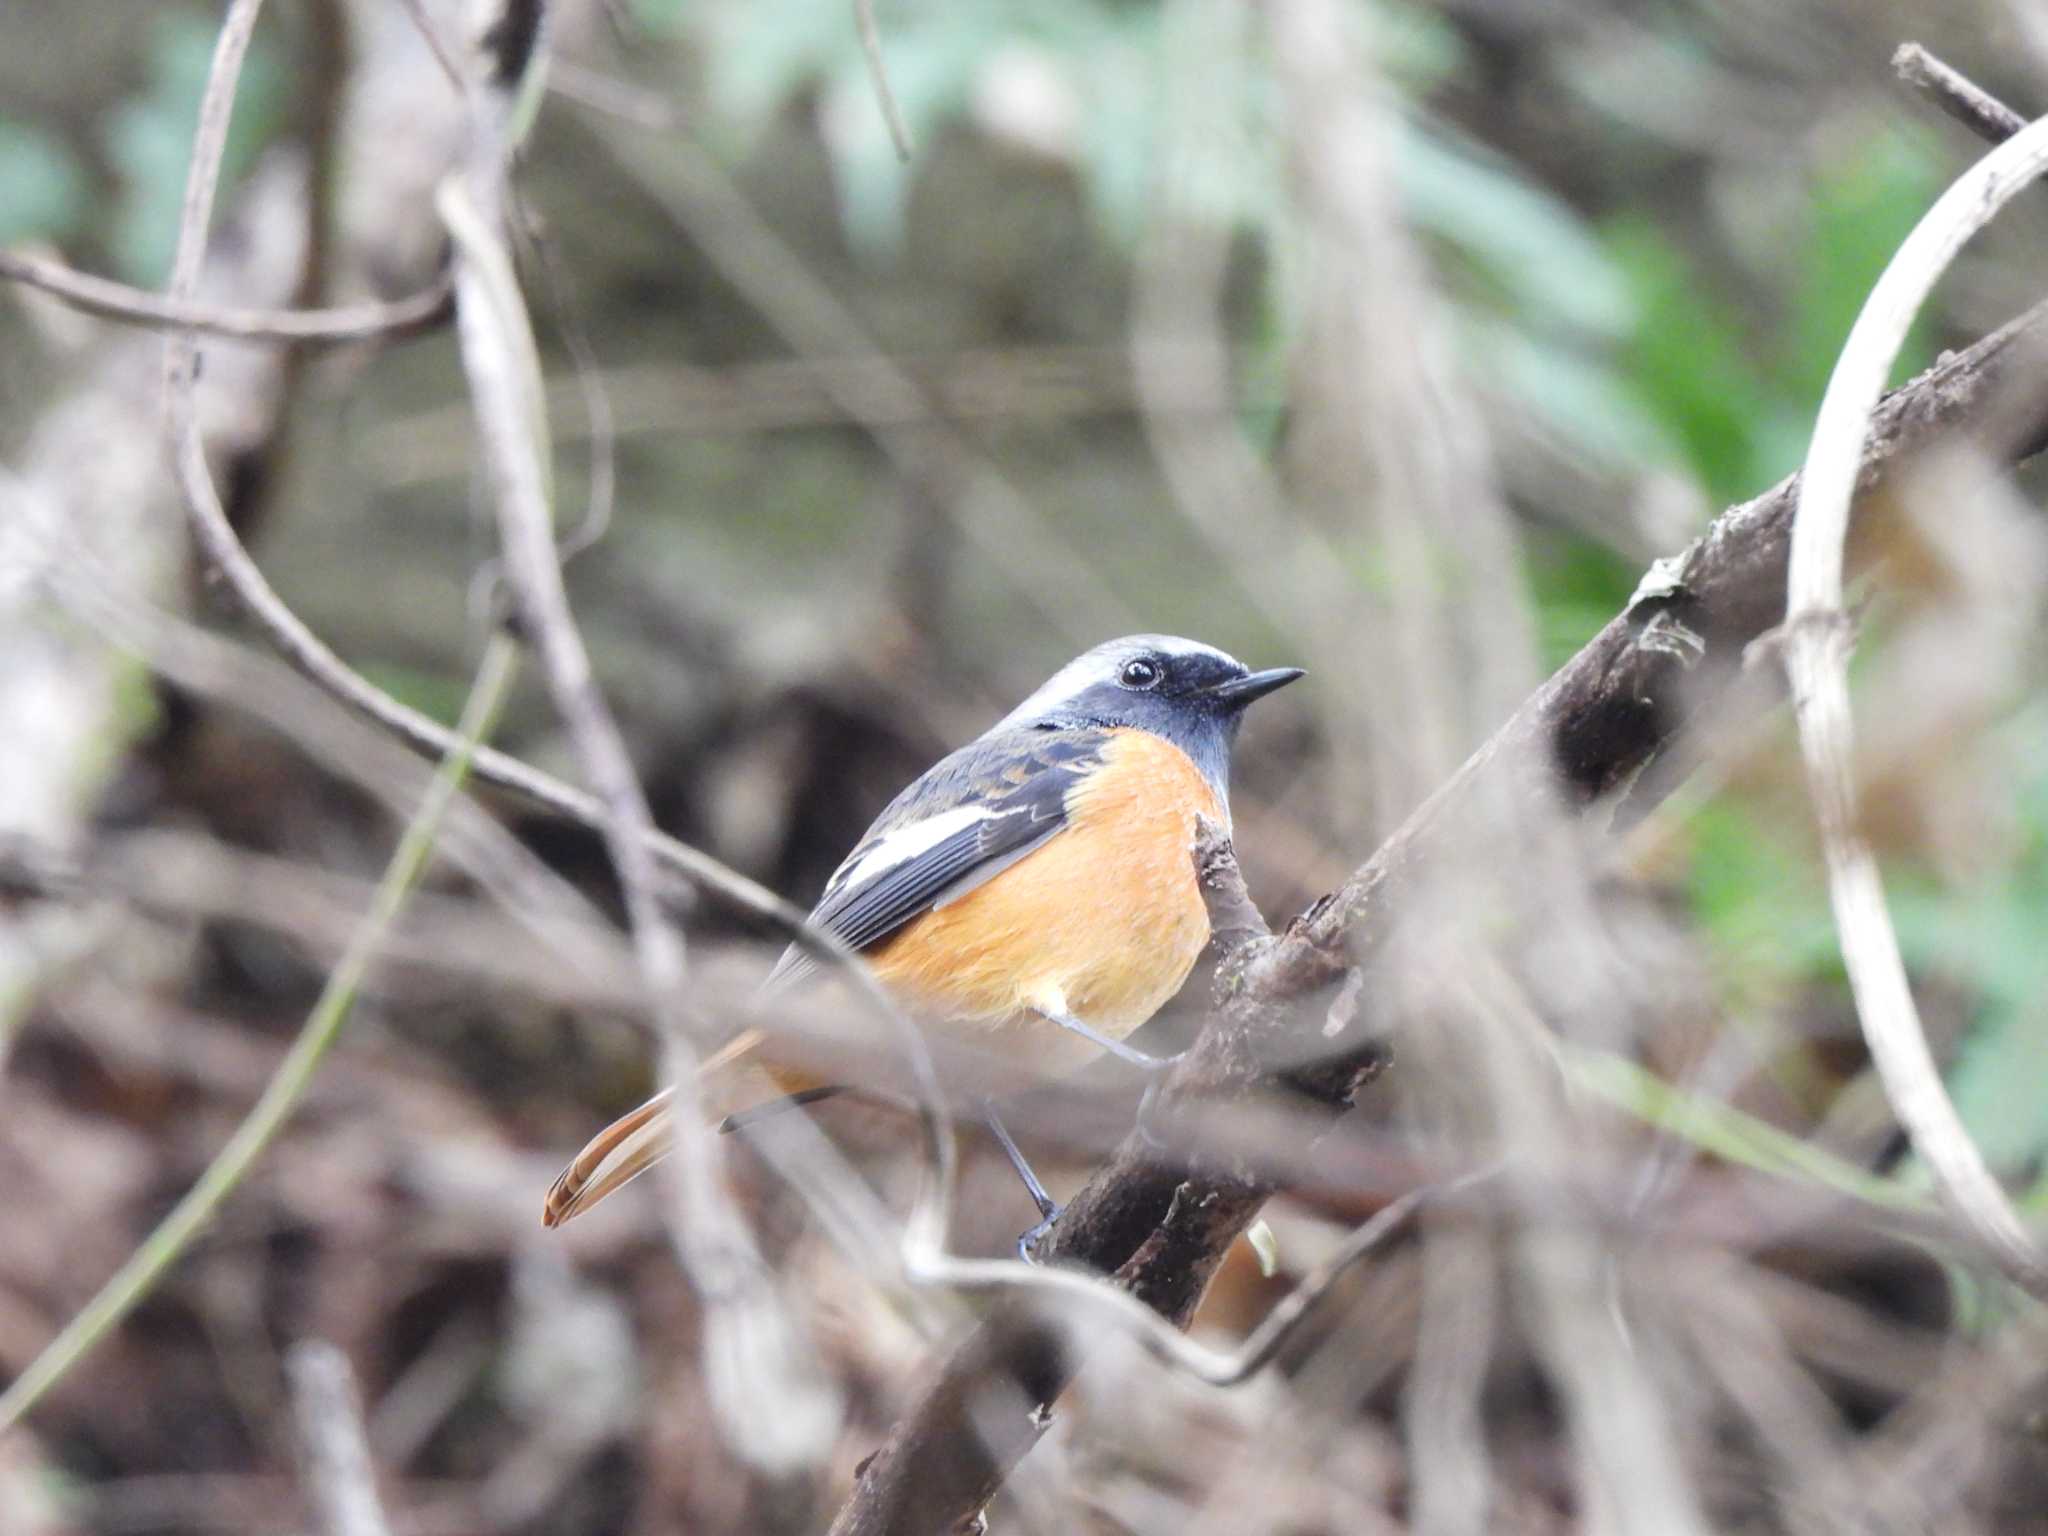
<point x="903" y="844"/>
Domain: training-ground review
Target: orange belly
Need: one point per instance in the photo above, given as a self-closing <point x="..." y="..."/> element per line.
<point x="1103" y="922"/>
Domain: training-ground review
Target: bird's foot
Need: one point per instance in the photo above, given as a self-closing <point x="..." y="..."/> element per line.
<point x="1027" y="1243"/>
<point x="1144" y="1060"/>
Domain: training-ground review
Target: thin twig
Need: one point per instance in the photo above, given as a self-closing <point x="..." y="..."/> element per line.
<point x="310" y="655"/>
<point x="1817" y="642"/>
<point x="552" y="911"/>
<point x="774" y="1402"/>
<point x="635" y="104"/>
<point x="885" y="401"/>
<point x="1167" y="1344"/>
<point x="202" y="178"/>
<point x="596" y="398"/>
<point x="431" y="35"/>
<point x="1614" y="708"/>
<point x="339" y="1474"/>
<point x="175" y="1233"/>
<point x="871" y="50"/>
<point x="1961" y="98"/>
<point x="110" y="300"/>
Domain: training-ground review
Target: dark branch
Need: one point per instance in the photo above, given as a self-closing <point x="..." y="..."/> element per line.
<point x="1585" y="738"/>
<point x="1961" y="98"/>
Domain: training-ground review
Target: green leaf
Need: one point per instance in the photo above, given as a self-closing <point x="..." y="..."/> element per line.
<point x="149" y="138"/>
<point x="1863" y="208"/>
<point x="1579" y="395"/>
<point x="1688" y="365"/>
<point x="1988" y="941"/>
<point x="42" y="186"/>
<point x="1761" y="900"/>
<point x="1578" y="585"/>
<point x="1547" y="264"/>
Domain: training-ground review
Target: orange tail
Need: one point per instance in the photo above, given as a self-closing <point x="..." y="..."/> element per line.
<point x="616" y="1155"/>
<point x="635" y="1142"/>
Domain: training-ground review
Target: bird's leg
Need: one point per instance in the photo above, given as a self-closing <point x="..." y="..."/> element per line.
<point x="1048" y="1208"/>
<point x="739" y="1120"/>
<point x="1143" y="1120"/>
<point x="1116" y="1048"/>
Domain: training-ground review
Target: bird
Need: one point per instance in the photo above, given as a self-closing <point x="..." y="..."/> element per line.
<point x="1033" y="892"/>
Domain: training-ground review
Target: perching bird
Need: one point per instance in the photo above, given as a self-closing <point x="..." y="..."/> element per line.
<point x="1033" y="892"/>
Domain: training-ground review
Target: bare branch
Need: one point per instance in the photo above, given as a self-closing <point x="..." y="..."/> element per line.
<point x="1585" y="736"/>
<point x="110" y="300"/>
<point x="417" y="10"/>
<point x="777" y="1407"/>
<point x="330" y="1419"/>
<point x="173" y="1235"/>
<point x="1816" y="644"/>
<point x="886" y="402"/>
<point x="1961" y="98"/>
<point x="317" y="661"/>
<point x="878" y="71"/>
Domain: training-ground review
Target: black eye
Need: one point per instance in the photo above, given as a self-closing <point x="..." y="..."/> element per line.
<point x="1142" y="672"/>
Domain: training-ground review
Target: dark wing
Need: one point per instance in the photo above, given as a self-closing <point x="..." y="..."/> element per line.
<point x="1018" y="780"/>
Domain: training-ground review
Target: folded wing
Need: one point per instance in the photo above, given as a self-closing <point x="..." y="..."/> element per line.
<point x="973" y="815"/>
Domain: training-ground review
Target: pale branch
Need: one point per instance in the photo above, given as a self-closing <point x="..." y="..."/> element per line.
<point x="1957" y="95"/>
<point x="377" y="321"/>
<point x="444" y="60"/>
<point x="1816" y="646"/>
<point x="296" y="642"/>
<point x="878" y="72"/>
<point x="1584" y="738"/>
<point x="340" y="1479"/>
<point x="771" y="1398"/>
<point x="318" y="662"/>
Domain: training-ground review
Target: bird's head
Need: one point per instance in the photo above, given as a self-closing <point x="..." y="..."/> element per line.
<point x="1190" y="693"/>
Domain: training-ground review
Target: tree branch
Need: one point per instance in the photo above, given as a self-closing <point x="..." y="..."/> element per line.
<point x="133" y="306"/>
<point x="340" y="1479"/>
<point x="1816" y="647"/>
<point x="1584" y="738"/>
<point x="1961" y="98"/>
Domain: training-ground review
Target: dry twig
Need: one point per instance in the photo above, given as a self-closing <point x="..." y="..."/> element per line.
<point x="1961" y="98"/>
<point x="132" y="306"/>
<point x="778" y="1409"/>
<point x="1816" y="644"/>
<point x="1586" y="736"/>
<point x="878" y="71"/>
<point x="338" y="1471"/>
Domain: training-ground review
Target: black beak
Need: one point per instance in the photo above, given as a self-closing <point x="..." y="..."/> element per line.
<point x="1240" y="691"/>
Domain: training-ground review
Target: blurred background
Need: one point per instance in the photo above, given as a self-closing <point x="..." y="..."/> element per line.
<point x="1392" y="340"/>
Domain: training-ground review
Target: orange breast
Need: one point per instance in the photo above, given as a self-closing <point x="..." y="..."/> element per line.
<point x="1103" y="922"/>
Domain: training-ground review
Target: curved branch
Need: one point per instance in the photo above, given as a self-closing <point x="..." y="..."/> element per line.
<point x="1587" y="736"/>
<point x="1817" y="643"/>
<point x="1961" y="98"/>
<point x="134" y="306"/>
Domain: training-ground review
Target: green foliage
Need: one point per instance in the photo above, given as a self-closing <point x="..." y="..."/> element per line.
<point x="1724" y="1131"/>
<point x="1689" y="365"/>
<point x="1987" y="939"/>
<point x="1578" y="584"/>
<point x="149" y="137"/>
<point x="1739" y="398"/>
<point x="42" y="187"/>
<point x="1540" y="256"/>
<point x="1760" y="902"/>
<point x="1759" y="898"/>
<point x="1864" y="203"/>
